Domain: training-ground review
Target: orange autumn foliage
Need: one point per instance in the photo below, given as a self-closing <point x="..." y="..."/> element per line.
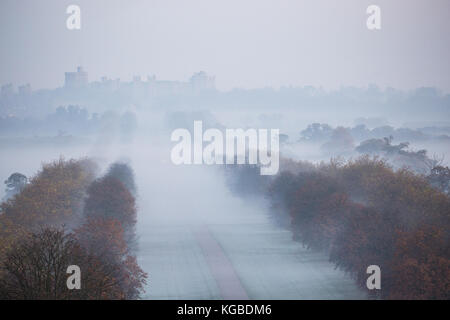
<point x="54" y="197"/>
<point x="363" y="213"/>
<point x="100" y="244"/>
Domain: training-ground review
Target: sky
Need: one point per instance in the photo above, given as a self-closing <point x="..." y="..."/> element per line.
<point x="243" y="43"/>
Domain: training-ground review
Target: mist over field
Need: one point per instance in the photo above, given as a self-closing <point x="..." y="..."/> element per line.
<point x="364" y="123"/>
<point x="176" y="203"/>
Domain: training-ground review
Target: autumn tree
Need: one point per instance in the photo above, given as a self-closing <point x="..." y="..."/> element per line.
<point x="108" y="198"/>
<point x="35" y="267"/>
<point x="113" y="272"/>
<point x="313" y="204"/>
<point x="363" y="212"/>
<point x="281" y="194"/>
<point x="421" y="264"/>
<point x="54" y="197"/>
<point x="35" y="251"/>
<point x="367" y="238"/>
<point x="124" y="173"/>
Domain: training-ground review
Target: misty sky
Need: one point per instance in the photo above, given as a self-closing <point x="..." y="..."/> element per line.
<point x="244" y="43"/>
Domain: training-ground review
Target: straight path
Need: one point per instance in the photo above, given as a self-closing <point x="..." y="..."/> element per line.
<point x="237" y="261"/>
<point x="220" y="266"/>
<point x="198" y="241"/>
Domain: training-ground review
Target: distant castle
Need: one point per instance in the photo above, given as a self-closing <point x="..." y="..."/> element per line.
<point x="199" y="82"/>
<point x="76" y="79"/>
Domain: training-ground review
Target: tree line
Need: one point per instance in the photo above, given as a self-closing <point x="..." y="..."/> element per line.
<point x="66" y="215"/>
<point x="363" y="212"/>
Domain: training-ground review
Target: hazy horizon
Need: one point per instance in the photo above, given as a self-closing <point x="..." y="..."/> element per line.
<point x="247" y="45"/>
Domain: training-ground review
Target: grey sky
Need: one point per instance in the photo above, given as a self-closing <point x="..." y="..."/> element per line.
<point x="244" y="43"/>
